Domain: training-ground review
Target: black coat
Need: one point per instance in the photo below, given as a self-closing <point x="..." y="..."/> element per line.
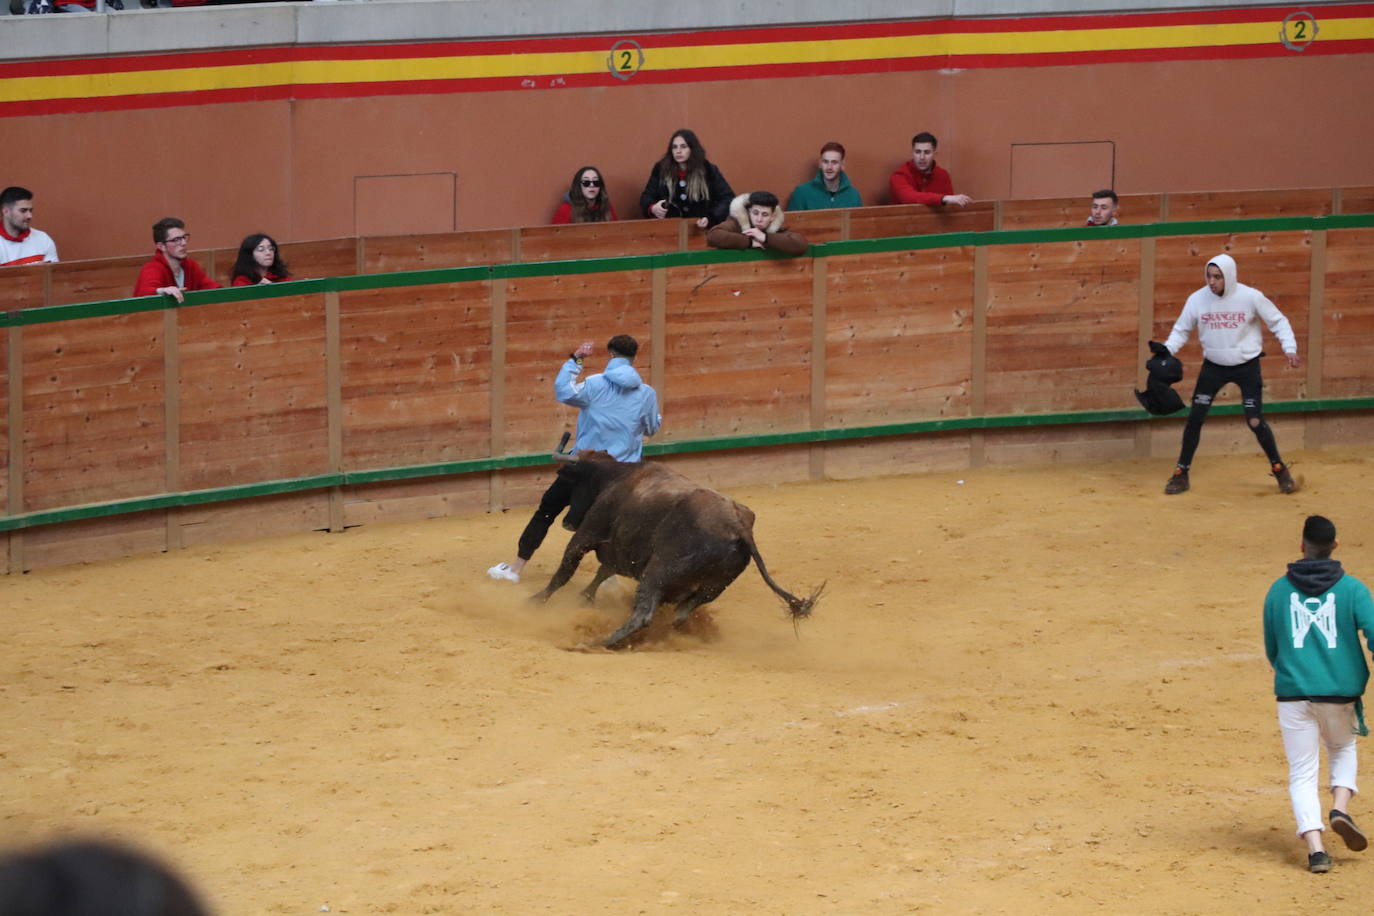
<point x="715" y="208"/>
<point x="1159" y="396"/>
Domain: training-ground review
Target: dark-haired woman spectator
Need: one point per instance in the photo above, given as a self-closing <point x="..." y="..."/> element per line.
<point x="586" y="200"/>
<point x="685" y="184"/>
<point x="258" y="262"/>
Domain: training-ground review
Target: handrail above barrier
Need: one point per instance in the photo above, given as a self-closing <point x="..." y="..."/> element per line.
<point x="107" y="308"/>
<point x="728" y="443"/>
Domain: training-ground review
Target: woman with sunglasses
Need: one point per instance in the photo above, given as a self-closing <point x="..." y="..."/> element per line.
<point x="684" y="183"/>
<point x="586" y="200"/>
<point x="258" y="262"/>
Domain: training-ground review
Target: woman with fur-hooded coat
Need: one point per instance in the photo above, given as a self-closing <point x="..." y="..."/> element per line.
<point x="756" y="222"/>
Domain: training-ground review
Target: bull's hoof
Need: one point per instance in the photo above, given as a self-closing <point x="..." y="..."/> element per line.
<point x="539" y="598"/>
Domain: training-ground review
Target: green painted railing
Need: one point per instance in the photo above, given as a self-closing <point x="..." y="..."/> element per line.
<point x="726" y="443"/>
<point x="53" y="313"/>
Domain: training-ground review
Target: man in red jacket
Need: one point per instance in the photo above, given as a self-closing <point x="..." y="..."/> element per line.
<point x="921" y="181"/>
<point x="170" y="271"/>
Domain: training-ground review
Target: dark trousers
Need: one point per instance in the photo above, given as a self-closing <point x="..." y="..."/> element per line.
<point x="1210" y="380"/>
<point x="556" y="498"/>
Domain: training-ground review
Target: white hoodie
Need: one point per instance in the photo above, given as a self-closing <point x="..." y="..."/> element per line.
<point x="1226" y="324"/>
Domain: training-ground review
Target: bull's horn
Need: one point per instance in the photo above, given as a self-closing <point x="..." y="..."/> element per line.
<point x="565" y="458"/>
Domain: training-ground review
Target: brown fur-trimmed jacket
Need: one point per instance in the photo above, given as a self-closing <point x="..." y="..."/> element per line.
<point x="730" y="233"/>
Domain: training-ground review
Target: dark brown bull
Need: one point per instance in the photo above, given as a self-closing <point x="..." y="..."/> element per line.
<point x="683" y="542"/>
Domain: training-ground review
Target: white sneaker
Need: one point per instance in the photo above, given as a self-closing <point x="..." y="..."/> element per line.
<point x="504" y="571"/>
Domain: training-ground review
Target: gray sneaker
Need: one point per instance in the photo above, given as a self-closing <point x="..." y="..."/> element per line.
<point x="1319" y="863"/>
<point x="1344" y="825"/>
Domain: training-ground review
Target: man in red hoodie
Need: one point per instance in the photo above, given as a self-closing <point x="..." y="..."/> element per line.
<point x="170" y="270"/>
<point x="921" y="181"/>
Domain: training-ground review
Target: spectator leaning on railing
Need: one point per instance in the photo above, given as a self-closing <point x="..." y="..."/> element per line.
<point x="755" y="221"/>
<point x="171" y="270"/>
<point x="921" y="181"/>
<point x="19" y="242"/>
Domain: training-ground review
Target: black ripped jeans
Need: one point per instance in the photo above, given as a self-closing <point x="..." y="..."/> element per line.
<point x="1210" y="380"/>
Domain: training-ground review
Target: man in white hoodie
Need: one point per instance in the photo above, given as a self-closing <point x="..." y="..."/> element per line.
<point x="1227" y="315"/>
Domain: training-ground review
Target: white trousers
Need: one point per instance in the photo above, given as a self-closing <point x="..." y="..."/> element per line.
<point x="1305" y="727"/>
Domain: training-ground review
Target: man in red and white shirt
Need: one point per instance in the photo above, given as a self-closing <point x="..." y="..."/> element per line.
<point x="20" y="244"/>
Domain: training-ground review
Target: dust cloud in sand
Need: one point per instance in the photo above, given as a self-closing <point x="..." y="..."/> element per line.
<point x="1041" y="689"/>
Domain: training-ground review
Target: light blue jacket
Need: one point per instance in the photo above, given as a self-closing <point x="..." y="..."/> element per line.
<point x="618" y="409"/>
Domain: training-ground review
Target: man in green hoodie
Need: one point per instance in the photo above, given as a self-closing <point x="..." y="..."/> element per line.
<point x="1312" y="620"/>
<point x="830" y="188"/>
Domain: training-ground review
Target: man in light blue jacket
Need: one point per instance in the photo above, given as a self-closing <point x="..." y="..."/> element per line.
<point x="617" y="411"/>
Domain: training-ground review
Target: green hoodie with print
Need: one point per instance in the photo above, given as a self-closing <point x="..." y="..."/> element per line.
<point x="1312" y="619"/>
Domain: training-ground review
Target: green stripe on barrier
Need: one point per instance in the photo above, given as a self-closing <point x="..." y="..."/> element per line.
<point x="48" y="314"/>
<point x="727" y="443"/>
<point x="433" y="277"/>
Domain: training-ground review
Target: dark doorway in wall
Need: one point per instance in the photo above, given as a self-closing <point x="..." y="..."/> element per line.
<point x="405" y="204"/>
<point x="1073" y="169"/>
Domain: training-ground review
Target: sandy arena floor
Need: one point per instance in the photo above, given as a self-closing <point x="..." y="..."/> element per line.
<point x="1038" y="690"/>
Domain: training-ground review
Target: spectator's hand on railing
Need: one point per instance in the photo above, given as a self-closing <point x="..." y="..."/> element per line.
<point x="173" y="291"/>
<point x="962" y="200"/>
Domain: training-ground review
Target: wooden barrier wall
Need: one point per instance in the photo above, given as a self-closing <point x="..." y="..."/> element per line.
<point x="296" y="386"/>
<point x="113" y="278"/>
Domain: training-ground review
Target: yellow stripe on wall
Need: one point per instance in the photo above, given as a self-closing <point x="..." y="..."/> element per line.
<point x="324" y="72"/>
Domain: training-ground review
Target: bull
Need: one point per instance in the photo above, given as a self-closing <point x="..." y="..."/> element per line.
<point x="685" y="543"/>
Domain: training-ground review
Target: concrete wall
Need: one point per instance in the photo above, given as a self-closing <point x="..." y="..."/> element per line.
<point x="137" y="30"/>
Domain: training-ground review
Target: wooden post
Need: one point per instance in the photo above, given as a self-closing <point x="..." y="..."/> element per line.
<point x="171" y="420"/>
<point x="1316" y="306"/>
<point x="819" y="272"/>
<point x="996" y="216"/>
<point x="47" y="285"/>
<point x="658" y="330"/>
<point x="1164" y="208"/>
<point x="515" y="244"/>
<point x="682" y="235"/>
<point x="15" y="503"/>
<point x="496" y="497"/>
<point x="1145" y="325"/>
<point x="978" y="357"/>
<point x="844" y="225"/>
<point x="359" y="255"/>
<point x="333" y="392"/>
<point x="1336" y="201"/>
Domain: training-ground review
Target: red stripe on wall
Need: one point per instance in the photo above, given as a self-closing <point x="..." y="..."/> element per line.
<point x="588" y="80"/>
<point x="251" y="56"/>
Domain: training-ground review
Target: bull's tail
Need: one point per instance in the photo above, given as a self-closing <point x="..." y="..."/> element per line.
<point x="797" y="607"/>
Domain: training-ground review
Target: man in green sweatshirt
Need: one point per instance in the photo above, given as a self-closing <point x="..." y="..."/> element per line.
<point x="1312" y="620"/>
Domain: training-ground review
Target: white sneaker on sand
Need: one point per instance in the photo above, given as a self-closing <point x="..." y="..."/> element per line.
<point x="504" y="571"/>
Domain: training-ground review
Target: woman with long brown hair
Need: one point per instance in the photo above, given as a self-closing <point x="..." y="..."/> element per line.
<point x="685" y="184"/>
<point x="586" y="200"/>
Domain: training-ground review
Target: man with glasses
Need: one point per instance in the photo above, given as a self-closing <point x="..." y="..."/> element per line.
<point x="170" y="270"/>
